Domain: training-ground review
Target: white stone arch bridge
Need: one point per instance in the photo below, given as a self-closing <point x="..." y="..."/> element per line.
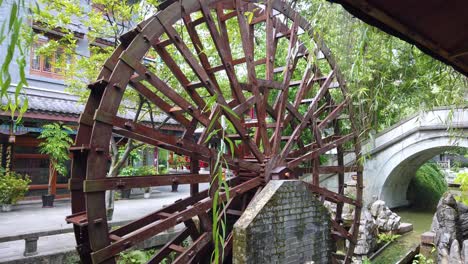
<point x="393" y="156"/>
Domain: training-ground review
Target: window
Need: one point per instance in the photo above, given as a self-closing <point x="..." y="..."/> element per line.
<point x="50" y="65"/>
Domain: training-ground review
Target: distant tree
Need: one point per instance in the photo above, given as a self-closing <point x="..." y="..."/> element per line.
<point x="388" y="78"/>
<point x="56" y="143"/>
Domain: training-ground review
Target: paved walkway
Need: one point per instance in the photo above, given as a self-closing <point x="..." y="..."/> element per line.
<point x="28" y="218"/>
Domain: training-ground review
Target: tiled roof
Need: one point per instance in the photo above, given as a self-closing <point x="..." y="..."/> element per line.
<point x="50" y="102"/>
<point x="56" y="105"/>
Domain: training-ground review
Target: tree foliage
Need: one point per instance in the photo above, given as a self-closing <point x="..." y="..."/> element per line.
<point x="427" y="186"/>
<point x="56" y="143"/>
<point x="388" y="78"/>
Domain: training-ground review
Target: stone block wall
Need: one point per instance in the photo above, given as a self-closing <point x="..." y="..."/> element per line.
<point x="283" y="224"/>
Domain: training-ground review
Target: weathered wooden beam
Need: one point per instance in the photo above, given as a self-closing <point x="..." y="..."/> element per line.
<point x="127" y="182"/>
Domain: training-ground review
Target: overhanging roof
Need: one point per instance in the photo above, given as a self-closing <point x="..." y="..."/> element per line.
<point x="437" y="27"/>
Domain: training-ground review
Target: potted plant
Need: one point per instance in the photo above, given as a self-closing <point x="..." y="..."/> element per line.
<point x="127" y="171"/>
<point x="56" y="143"/>
<point x="146" y="171"/>
<point x="13" y="187"/>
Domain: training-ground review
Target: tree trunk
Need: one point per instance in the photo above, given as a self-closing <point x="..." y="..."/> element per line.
<point x="52" y="186"/>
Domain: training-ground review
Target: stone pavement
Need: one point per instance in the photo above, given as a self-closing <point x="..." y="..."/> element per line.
<point x="29" y="218"/>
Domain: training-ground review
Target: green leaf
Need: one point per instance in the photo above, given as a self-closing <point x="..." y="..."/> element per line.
<point x="212" y="122"/>
<point x="231" y="145"/>
<point x="2" y="33"/>
<point x="230" y="111"/>
<point x="212" y="133"/>
<point x="13" y="15"/>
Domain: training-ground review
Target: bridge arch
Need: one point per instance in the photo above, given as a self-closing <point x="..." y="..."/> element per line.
<point x="401" y="167"/>
<point x="395" y="154"/>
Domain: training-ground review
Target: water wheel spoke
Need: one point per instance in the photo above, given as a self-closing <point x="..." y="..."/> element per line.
<point x="149" y="132"/>
<point x="199" y="48"/>
<point x="247" y="44"/>
<point x="282" y="98"/>
<point x="190" y="254"/>
<point x="333" y="196"/>
<point x="317" y="152"/>
<point x="333" y="115"/>
<point x="160" y="214"/>
<point x="310" y="112"/>
<point x="204" y="78"/>
<point x="153" y="229"/>
<point x="166" y="90"/>
<point x="166" y="250"/>
<point x="175" y="69"/>
<point x="159" y="102"/>
<point x="143" y="181"/>
<point x="340" y="231"/>
<point x="220" y="41"/>
<point x="184" y="146"/>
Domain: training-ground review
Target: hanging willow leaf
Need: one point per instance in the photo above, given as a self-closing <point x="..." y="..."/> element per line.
<point x="13" y="16"/>
<point x="230" y="111"/>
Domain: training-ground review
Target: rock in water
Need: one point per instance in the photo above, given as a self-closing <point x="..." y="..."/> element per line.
<point x="386" y="219"/>
<point x="454" y="255"/>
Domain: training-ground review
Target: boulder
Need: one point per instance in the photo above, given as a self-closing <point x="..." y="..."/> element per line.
<point x="464" y="252"/>
<point x="405" y="228"/>
<point x="454" y="255"/>
<point x="376" y="207"/>
<point x="446" y="225"/>
<point x="463" y="220"/>
<point x="443" y="257"/>
<point x="367" y="236"/>
<point x="386" y="219"/>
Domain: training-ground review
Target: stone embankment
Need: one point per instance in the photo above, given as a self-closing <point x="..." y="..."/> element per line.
<point x="450" y="226"/>
<point x="375" y="218"/>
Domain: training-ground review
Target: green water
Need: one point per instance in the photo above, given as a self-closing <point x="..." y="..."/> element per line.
<point x="421" y="221"/>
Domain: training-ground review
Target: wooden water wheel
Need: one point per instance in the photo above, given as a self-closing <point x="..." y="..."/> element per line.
<point x="275" y="83"/>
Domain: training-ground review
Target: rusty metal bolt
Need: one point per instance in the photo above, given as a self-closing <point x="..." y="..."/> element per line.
<point x="129" y="125"/>
<point x="99" y="150"/>
<point x="127" y="244"/>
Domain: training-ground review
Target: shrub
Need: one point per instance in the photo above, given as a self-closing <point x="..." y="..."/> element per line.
<point x="462" y="179"/>
<point x="427" y="187"/>
<point x="13" y="187"/>
<point x="387" y="237"/>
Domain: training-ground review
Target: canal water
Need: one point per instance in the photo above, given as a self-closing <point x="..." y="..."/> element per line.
<point x="421" y="221"/>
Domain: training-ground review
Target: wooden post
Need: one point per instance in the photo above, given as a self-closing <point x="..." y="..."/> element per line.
<point x="194" y="168"/>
